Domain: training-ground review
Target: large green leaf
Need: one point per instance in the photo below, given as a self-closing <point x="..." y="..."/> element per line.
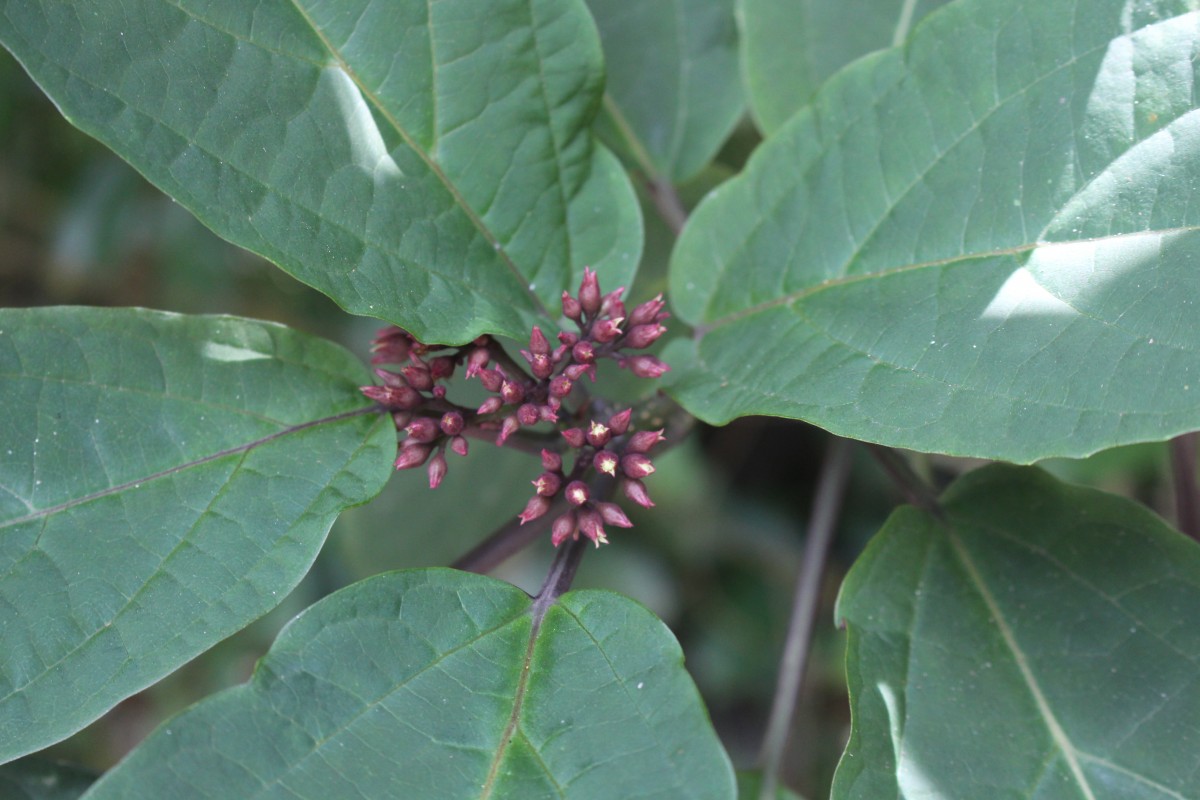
<point x="674" y="92"/>
<point x="164" y="480"/>
<point x="442" y="684"/>
<point x="1038" y="640"/>
<point x="981" y="244"/>
<point x="36" y="779"/>
<point x="427" y="163"/>
<point x="790" y="47"/>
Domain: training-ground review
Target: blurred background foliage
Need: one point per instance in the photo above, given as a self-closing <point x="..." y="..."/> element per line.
<point x="716" y="559"/>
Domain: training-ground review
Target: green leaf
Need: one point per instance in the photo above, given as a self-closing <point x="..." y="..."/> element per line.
<point x="791" y="47"/>
<point x="981" y="244"/>
<point x="674" y="92"/>
<point x="38" y="779"/>
<point x="1038" y="640"/>
<point x="164" y="480"/>
<point x="750" y="788"/>
<point x="442" y="684"/>
<point x="427" y="163"/>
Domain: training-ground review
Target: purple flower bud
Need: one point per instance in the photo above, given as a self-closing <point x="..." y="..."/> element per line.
<point x="559" y="353"/>
<point x="619" y="423"/>
<point x="571" y="308"/>
<point x="508" y="427"/>
<point x="528" y="414"/>
<point x="437" y="470"/>
<point x="606" y="461"/>
<point x="423" y="429"/>
<point x="644" y="366"/>
<point x="598" y="434"/>
<point x="637" y="465"/>
<point x="607" y="330"/>
<point x="577" y="371"/>
<point x="613" y="515"/>
<point x="589" y="292"/>
<point x="391" y="346"/>
<point x="583" y="352"/>
<point x="643" y="335"/>
<point x="611" y="305"/>
<point x="402" y="397"/>
<point x="548" y="483"/>
<point x="451" y="423"/>
<point x="489" y="406"/>
<point x="401" y="418"/>
<point x="412" y="455"/>
<point x="577" y="493"/>
<point x="439" y="392"/>
<point x="647" y="312"/>
<point x="636" y="491"/>
<point x="567" y="338"/>
<point x="591" y="525"/>
<point x="492" y="379"/>
<point x="642" y="441"/>
<point x="477" y="361"/>
<point x="551" y="461"/>
<point x="536" y="507"/>
<point x="418" y="376"/>
<point x="441" y="368"/>
<point x="512" y="392"/>
<point x="564" y="528"/>
<point x="459" y="445"/>
<point x="538" y="342"/>
<point x="548" y="412"/>
<point x="574" y="437"/>
<point x="390" y="378"/>
<point x="560" y="386"/>
<point x="541" y="365"/>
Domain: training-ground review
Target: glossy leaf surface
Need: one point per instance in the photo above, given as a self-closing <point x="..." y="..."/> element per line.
<point x="791" y="47"/>
<point x="1040" y="641"/>
<point x="674" y="91"/>
<point x="435" y="683"/>
<point x="164" y="481"/>
<point x="981" y="244"/>
<point x="426" y="163"/>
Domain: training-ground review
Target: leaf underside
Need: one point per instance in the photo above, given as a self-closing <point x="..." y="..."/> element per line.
<point x="435" y="683"/>
<point x="164" y="481"/>
<point x="982" y="243"/>
<point x="1038" y="642"/>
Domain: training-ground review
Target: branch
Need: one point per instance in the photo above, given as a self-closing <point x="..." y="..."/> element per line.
<point x="667" y="202"/>
<point x="506" y="541"/>
<point x="1187" y="493"/>
<point x="916" y="491"/>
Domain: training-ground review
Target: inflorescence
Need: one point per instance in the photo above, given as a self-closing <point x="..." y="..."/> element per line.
<point x="543" y="390"/>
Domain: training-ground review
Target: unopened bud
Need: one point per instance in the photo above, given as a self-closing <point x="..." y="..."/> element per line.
<point x="564" y="528"/>
<point x="492" y="379"/>
<point x="422" y="429"/>
<point x="574" y="437"/>
<point x="402" y="397"/>
<point x="642" y="441"/>
<point x="619" y="423"/>
<point x="644" y="366"/>
<point x="390" y="378"/>
<point x="412" y="455"/>
<point x="583" y="352"/>
<point x="577" y="371"/>
<point x="568" y="338"/>
<point x="591" y="525"/>
<point x="637" y="465"/>
<point x="437" y="470"/>
<point x="459" y="445"/>
<point x="441" y="368"/>
<point x="571" y="308"/>
<point x="613" y="514"/>
<point x="490" y="406"/>
<point x="512" y="392"/>
<point x="577" y="493"/>
<point x="548" y="484"/>
<point x="508" y="427"/>
<point x="636" y="491"/>
<point x="548" y="412"/>
<point x="541" y="365"/>
<point x="606" y="461"/>
<point x="477" y="361"/>
<point x="643" y="335"/>
<point x="451" y="423"/>
<point x="611" y="305"/>
<point x="647" y="312"/>
<point x="538" y="342"/>
<point x="551" y="460"/>
<point x="528" y="414"/>
<point x="560" y="386"/>
<point x="598" y="434"/>
<point x="589" y="292"/>
<point x="418" y="376"/>
<point x="401" y="418"/>
<point x="607" y="330"/>
<point x="536" y="507"/>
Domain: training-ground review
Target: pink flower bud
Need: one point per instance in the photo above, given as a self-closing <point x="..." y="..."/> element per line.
<point x="647" y="312"/>
<point x="574" y="437"/>
<point x="644" y="366"/>
<point x="567" y="338"/>
<point x="606" y="461"/>
<point x="561" y="386"/>
<point x="548" y="484"/>
<point x="643" y="335"/>
<point x="489" y="406"/>
<point x="642" y="441"/>
<point x="538" y="342"/>
<point x="613" y="515"/>
<point x="451" y="423"/>
<point x="636" y="491"/>
<point x="508" y="427"/>
<point x="591" y="525"/>
<point x="441" y="368"/>
<point x="551" y="460"/>
<point x="439" y="392"/>
<point x="577" y="371"/>
<point x="583" y="352"/>
<point x="564" y="528"/>
<point x="597" y="434"/>
<point x="536" y="507"/>
<point x="437" y="470"/>
<point x="402" y="397"/>
<point x="401" y="419"/>
<point x="418" y="376"/>
<point x="577" y="493"/>
<point x="492" y="379"/>
<point x="477" y="361"/>
<point x="619" y="423"/>
<point x="422" y="429"/>
<point x="459" y="445"/>
<point x="548" y="412"/>
<point x="390" y="378"/>
<point x="528" y="414"/>
<point x="412" y="455"/>
<point x="589" y="292"/>
<point x="571" y="308"/>
<point x="541" y="365"/>
<point x="512" y="392"/>
<point x="607" y="330"/>
<point x="611" y="305"/>
<point x="637" y="465"/>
